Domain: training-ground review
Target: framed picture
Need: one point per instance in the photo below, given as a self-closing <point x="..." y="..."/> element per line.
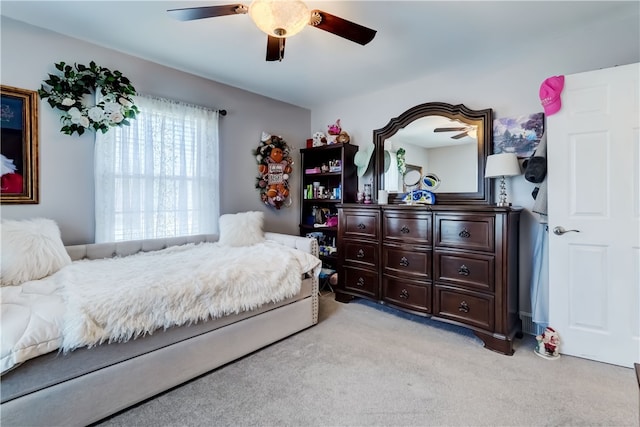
<point x="18" y="145"/>
<point x="520" y="135"/>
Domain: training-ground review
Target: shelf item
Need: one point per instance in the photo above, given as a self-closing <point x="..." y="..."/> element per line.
<point x="328" y="179"/>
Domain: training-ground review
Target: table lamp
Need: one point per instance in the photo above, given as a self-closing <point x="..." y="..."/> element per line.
<point x="502" y="165"/>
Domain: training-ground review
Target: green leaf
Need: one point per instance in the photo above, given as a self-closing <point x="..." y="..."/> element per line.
<point x="59" y="66"/>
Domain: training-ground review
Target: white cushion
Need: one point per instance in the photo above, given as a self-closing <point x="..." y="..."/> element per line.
<point x="242" y="229"/>
<point x="31" y="249"/>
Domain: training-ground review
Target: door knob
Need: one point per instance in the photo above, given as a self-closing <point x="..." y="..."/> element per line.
<point x="559" y="230"/>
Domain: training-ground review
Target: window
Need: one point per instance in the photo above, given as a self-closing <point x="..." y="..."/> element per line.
<point x="158" y="177"/>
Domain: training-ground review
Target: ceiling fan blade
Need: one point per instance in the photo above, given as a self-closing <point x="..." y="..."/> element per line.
<point x="448" y="129"/>
<point x="275" y="48"/>
<point x="341" y="27"/>
<point x="460" y="135"/>
<point x="192" y="13"/>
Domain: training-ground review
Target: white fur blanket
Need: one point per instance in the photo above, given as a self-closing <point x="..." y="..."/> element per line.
<point x="134" y="295"/>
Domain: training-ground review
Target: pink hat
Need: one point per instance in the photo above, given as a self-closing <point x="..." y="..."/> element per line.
<point x="550" y="91"/>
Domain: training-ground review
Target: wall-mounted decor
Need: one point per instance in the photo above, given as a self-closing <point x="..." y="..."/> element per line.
<point x="19" y="147"/>
<point x="520" y="135"/>
<point x="274" y="168"/>
<point x="75" y="94"/>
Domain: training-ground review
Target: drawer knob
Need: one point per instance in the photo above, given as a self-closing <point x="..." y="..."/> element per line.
<point x="360" y="281"/>
<point x="464" y="234"/>
<point x="464" y="270"/>
<point x="360" y="254"/>
<point x="404" y="294"/>
<point x="463" y="307"/>
<point x="404" y="262"/>
<point x="405" y="229"/>
<point x="361" y="226"/>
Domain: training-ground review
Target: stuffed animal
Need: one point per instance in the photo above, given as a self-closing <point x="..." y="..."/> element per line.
<point x="319" y="139"/>
<point x="343" y="138"/>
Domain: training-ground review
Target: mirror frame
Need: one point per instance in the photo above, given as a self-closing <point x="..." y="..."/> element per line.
<point x="483" y="118"/>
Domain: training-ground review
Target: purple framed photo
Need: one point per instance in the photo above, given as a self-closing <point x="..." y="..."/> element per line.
<point x="520" y="135"/>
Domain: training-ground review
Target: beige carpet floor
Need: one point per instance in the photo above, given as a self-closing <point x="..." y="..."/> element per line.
<point x="363" y="365"/>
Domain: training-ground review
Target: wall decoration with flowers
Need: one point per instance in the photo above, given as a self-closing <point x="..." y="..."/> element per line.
<point x="74" y="93"/>
<point x="274" y="169"/>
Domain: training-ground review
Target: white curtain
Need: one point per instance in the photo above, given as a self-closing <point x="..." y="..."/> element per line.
<point x="158" y="177"/>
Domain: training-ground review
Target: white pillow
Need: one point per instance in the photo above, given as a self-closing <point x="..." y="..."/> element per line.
<point x="31" y="249"/>
<point x="241" y="229"/>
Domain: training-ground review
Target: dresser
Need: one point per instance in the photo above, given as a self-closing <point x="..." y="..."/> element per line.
<point x="457" y="264"/>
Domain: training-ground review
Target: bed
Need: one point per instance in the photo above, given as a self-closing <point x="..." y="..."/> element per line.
<point x="86" y="383"/>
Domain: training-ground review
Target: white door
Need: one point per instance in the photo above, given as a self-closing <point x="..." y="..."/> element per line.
<point x="593" y="155"/>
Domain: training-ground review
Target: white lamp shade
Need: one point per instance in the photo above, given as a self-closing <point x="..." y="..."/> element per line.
<point x="279" y="18"/>
<point x="503" y="164"/>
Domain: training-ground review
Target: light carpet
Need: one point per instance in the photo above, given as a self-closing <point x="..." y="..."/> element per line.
<point x="363" y="365"/>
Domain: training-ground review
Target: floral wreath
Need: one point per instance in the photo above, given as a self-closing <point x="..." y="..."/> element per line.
<point x="274" y="168"/>
<point x="67" y="93"/>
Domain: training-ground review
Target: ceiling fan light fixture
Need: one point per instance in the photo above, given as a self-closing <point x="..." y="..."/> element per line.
<point x="279" y="18"/>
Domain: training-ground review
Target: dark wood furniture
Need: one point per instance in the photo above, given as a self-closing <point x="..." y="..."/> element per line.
<point x="455" y="263"/>
<point x="341" y="186"/>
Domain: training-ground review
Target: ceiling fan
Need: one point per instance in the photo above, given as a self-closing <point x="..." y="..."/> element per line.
<point x="281" y="19"/>
<point x="465" y="131"/>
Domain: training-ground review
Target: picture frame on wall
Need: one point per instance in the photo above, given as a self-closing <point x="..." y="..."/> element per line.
<point x="520" y="135"/>
<point x="19" y="146"/>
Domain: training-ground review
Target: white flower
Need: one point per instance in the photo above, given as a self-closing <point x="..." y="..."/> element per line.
<point x="81" y="121"/>
<point x="259" y="158"/>
<point x="95" y="113"/>
<point x="116" y="117"/>
<point x="125" y="102"/>
<point x="68" y="102"/>
<point x="74" y="112"/>
<point x="111" y="107"/>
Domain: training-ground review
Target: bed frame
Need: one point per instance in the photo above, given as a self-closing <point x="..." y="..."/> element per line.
<point x="95" y="395"/>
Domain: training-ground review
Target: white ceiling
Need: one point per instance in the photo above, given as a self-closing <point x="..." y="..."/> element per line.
<point x="414" y="39"/>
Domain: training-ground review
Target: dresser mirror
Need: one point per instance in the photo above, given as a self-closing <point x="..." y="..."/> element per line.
<point x="448" y="141"/>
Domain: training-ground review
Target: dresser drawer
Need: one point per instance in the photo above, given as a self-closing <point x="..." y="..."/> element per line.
<point x="415" y="264"/>
<point x="466" y="307"/>
<point x="407" y="227"/>
<point x="361" y="281"/>
<point x="475" y="232"/>
<point x="361" y="253"/>
<point x="360" y="224"/>
<point x="473" y="271"/>
<point x="404" y="293"/>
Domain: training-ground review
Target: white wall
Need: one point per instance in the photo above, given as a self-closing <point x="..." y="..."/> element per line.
<point x="66" y="162"/>
<point x="508" y="83"/>
<point x="443" y="161"/>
